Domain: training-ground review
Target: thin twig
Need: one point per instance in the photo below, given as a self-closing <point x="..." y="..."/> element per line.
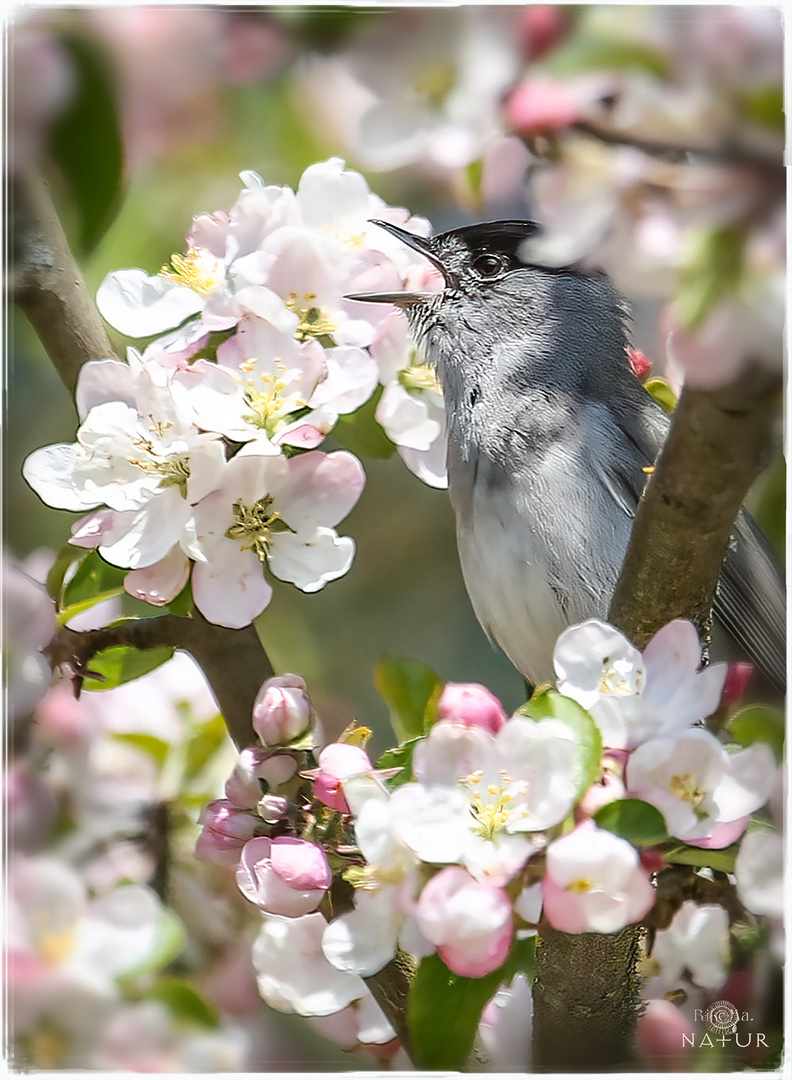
<point x="726" y="152"/>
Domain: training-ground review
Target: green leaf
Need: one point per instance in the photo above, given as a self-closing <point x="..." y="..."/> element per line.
<point x="400" y="757"/>
<point x="152" y="746"/>
<point x="182" y="604"/>
<point x="585" y="52"/>
<point x="759" y="723"/>
<point x="634" y="820"/>
<point x="550" y="705"/>
<point x="64" y="560"/>
<point x="721" y="859"/>
<point x="203" y="744"/>
<point x="661" y="391"/>
<point x="712" y="270"/>
<point x="94" y="580"/>
<point x="85" y="142"/>
<point x="443" y="1011"/>
<point x="184" y="1002"/>
<point x="412" y="691"/>
<point x="122" y="664"/>
<point x="359" y="431"/>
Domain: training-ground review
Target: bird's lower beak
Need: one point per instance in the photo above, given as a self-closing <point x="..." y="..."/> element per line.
<point x="400" y="299"/>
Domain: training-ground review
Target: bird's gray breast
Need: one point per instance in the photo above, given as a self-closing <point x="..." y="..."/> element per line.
<point x="542" y="515"/>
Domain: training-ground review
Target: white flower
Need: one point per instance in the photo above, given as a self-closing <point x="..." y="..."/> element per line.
<point x="759" y="871"/>
<point x="137" y="454"/>
<point x="274" y="511"/>
<point x="411" y="409"/>
<point x="632" y="696"/>
<point x="697" y="941"/>
<point x="704" y="793"/>
<point x="364" y="940"/>
<point x="478" y="794"/>
<point x="594" y="882"/>
<point x="292" y="972"/>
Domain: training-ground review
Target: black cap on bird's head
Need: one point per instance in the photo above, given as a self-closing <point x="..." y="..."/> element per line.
<point x="485" y="252"/>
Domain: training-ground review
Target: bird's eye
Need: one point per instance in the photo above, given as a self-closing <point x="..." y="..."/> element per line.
<point x="489" y="265"/>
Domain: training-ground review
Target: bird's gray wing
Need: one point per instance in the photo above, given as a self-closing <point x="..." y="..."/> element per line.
<point x="750" y="601"/>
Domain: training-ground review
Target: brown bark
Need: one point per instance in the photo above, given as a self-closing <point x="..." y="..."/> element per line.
<point x="48" y="286"/>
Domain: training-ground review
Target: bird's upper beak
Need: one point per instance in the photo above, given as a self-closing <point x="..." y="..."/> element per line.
<point x="421" y="244"/>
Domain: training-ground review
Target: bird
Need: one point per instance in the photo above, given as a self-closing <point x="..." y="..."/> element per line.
<point x="551" y="436"/>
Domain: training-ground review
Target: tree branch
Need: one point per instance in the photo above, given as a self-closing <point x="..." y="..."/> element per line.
<point x="48" y="286"/>
<point x="726" y="152"/>
<point x="586" y="992"/>
<point x="718" y="443"/>
<point x="233" y="661"/>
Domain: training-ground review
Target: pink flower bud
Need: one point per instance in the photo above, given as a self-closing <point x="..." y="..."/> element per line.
<point x="285" y="876"/>
<point x="472" y="705"/>
<point x="737" y="678"/>
<point x="540" y="106"/>
<point x="282" y="711"/>
<point x="660" y="1033"/>
<point x="639" y="362"/>
<point x="272" y="808"/>
<point x="469" y="921"/>
<point x="337" y="762"/>
<point x="225" y="831"/>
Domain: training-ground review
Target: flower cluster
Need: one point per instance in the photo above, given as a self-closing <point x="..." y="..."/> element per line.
<point x="190" y="466"/>
<point x="487" y="827"/>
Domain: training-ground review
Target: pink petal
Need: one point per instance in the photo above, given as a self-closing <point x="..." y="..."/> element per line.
<point x="231" y="589"/>
<point x="321" y="489"/>
<point x="162" y="581"/>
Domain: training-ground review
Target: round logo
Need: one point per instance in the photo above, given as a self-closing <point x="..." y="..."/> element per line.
<point x="722" y="1016"/>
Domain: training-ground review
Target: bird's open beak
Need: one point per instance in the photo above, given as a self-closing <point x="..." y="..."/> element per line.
<point x="421" y="244"/>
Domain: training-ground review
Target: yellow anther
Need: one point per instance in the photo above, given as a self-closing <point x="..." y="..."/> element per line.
<point x="580" y="886"/>
<point x="198" y="270"/>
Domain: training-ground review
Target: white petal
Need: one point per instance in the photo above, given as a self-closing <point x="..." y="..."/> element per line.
<point x="141" y="306"/>
<point x="351" y="380"/>
<point x="428" y="465"/>
<point x="152" y="534"/>
<point x="363" y="941"/>
<point x="103" y="380"/>
<point x="293" y="973"/>
<point x="759" y="871"/>
<point x="433" y="821"/>
<point x="310" y="560"/>
<point x="406" y="418"/>
<point x="50" y="472"/>
<point x="584" y="653"/>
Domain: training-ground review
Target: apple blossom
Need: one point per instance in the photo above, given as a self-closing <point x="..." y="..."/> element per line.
<point x="636" y="696"/>
<point x="594" y="882"/>
<point x="697" y="942"/>
<point x="704" y="793"/>
<point x="506" y="1026"/>
<point x="284" y="876"/>
<point x="759" y="870"/>
<point x="364" y="940"/>
<point x="478" y="796"/>
<point x="274" y="511"/>
<point x="469" y="921"/>
<point x="225" y="830"/>
<point x="660" y="1032"/>
<point x="29" y="622"/>
<point x="338" y="762"/>
<point x="411" y="409"/>
<point x="282" y="711"/>
<point x="292" y="972"/>
<point x="472" y="705"/>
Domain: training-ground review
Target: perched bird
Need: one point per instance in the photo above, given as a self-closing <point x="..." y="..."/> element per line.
<point x="550" y="434"/>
